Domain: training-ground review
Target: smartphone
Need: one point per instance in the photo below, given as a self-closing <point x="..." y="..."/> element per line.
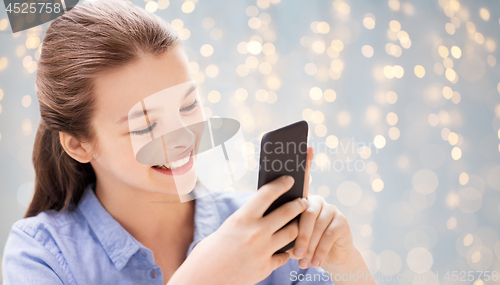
<point x="283" y="152"/>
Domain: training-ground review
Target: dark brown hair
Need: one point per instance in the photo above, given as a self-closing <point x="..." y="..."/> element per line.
<point x="92" y="37"/>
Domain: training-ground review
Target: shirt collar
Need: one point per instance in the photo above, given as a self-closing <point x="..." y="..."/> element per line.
<point x="120" y="245"/>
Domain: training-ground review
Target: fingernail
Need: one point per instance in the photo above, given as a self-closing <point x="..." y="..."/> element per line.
<point x="303" y="263"/>
<point x="289" y="178"/>
<point x="315" y="262"/>
<point x="298" y="252"/>
<point x="305" y="202"/>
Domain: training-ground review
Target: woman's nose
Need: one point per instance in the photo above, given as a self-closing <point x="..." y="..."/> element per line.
<point x="180" y="139"/>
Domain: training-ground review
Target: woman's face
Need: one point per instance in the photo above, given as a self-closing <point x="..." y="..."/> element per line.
<point x="119" y="90"/>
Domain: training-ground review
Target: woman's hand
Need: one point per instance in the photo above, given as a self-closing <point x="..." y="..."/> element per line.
<point x="325" y="239"/>
<point x="241" y="250"/>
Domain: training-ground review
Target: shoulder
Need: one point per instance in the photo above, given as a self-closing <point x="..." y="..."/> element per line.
<point x="34" y="244"/>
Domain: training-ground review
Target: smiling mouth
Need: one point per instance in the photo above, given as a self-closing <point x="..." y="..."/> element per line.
<point x="175" y="164"/>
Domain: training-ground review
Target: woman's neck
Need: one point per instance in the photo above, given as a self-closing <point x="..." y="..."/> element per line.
<point x="156" y="220"/>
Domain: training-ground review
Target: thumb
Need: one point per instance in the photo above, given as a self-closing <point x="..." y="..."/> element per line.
<point x="279" y="259"/>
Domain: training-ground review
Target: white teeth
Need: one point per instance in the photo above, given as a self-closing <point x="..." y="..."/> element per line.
<point x="176" y="164"/>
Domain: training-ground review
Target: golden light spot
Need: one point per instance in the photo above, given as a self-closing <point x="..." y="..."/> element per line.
<point x="208" y="23"/>
<point x="479" y="38"/>
<point x="366" y="231"/>
<point x="273" y="83"/>
<point x="433" y="119"/>
<point x="394" y="133"/>
<point x="3" y="24"/>
<point x="443" y="51"/>
<point x="395" y="26"/>
<point x="369" y="21"/>
<point x="318" y="117"/>
<point x="398" y="71"/>
<point x="26" y="126"/>
<point x="456" y="52"/>
<point x="214" y="96"/>
<point x="388" y="71"/>
<point x="394" y="5"/>
<point x="451" y="223"/>
<point x="206" y="50"/>
<point x="318" y="47"/>
<point x="391" y="97"/>
<point x="491" y="45"/>
<point x="212" y="70"/>
<point x="261" y="95"/>
<point x="151" y="6"/>
<point x="450" y="28"/>
<point x="254" y="47"/>
<point x="332" y="141"/>
<point x="450" y="74"/>
<point x="1" y="95"/>
<point x="419" y="71"/>
<point x="254" y="23"/>
<point x="364" y="152"/>
<point x="392" y="118"/>
<point x="323" y="27"/>
<point x="329" y="95"/>
<point x="337" y="45"/>
<point x="463" y="178"/>
<point x="310" y="68"/>
<point x="32" y="67"/>
<point x="379" y="141"/>
<point x="377" y="185"/>
<point x="242" y="48"/>
<point x="476" y="257"/>
<point x="367" y="50"/>
<point x="320" y="130"/>
<point x="448" y="62"/>
<point x="343" y="118"/>
<point x="242" y="70"/>
<point x="252" y="62"/>
<point x="468" y="239"/>
<point x="456" y="153"/>
<point x="342" y="7"/>
<point x="315" y="93"/>
<point x="194" y="67"/>
<point x="484" y="13"/>
<point x="265" y="68"/>
<point x="241" y="94"/>
<point x="268" y="48"/>
<point x="187" y="7"/>
<point x="163" y="4"/>
<point x="307" y="114"/>
<point x="447" y="92"/>
<point x="445" y="132"/>
<point x="453" y="138"/>
<point x="26" y="101"/>
<point x="20" y="50"/>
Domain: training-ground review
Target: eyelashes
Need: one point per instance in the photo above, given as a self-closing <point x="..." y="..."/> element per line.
<point x="150" y="128"/>
<point x="190" y="107"/>
<point x="144" y="131"/>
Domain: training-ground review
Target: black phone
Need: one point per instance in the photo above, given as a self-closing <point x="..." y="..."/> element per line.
<point x="283" y="152"/>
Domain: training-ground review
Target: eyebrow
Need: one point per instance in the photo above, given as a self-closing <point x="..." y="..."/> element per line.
<point x="141" y="112"/>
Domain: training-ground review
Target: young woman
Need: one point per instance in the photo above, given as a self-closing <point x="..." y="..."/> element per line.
<point x="100" y="217"/>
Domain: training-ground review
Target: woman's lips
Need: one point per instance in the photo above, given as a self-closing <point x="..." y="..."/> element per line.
<point x="178" y="171"/>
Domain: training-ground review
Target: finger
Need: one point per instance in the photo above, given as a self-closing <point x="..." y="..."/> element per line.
<point x="279" y="259"/>
<point x="285" y="213"/>
<point x="267" y="194"/>
<point x="333" y="232"/>
<point x="324" y="219"/>
<point x="285" y="236"/>
<point x="309" y="160"/>
<point x="306" y="226"/>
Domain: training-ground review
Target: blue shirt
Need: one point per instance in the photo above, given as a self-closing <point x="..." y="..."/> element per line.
<point x="88" y="246"/>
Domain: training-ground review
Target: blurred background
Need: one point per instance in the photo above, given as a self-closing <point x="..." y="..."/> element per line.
<point x="402" y="100"/>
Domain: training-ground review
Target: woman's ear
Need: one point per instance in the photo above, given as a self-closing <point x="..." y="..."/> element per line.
<point x="79" y="151"/>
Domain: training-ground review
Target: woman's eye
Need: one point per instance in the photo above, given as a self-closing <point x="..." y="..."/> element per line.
<point x="190" y="107"/>
<point x="144" y="131"/>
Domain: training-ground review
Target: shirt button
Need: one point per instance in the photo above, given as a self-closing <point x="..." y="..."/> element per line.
<point x="154" y="273"/>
